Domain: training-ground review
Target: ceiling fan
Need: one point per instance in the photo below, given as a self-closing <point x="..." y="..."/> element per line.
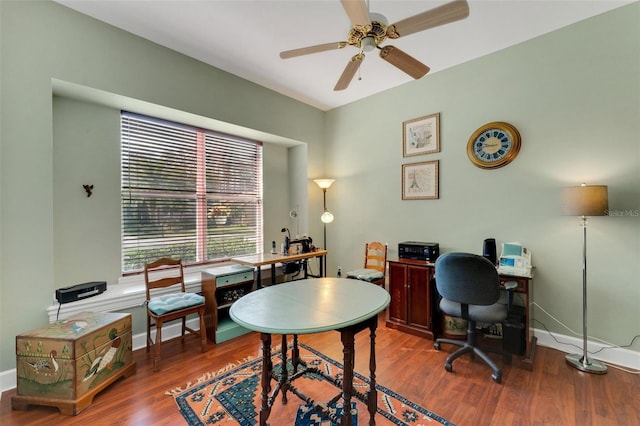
<point x="370" y="30"/>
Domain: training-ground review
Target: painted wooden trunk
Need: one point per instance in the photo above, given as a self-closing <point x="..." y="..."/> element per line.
<point x="64" y="364"/>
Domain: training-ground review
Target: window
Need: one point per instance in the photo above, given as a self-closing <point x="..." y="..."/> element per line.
<point x="187" y="193"/>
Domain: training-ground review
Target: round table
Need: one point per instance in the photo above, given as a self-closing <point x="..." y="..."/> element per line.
<point x="313" y="306"/>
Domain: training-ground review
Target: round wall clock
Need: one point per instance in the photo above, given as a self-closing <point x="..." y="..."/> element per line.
<point x="493" y="145"/>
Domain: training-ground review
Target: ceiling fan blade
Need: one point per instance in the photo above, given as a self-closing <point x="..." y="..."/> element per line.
<point x="404" y="62"/>
<point x="357" y="11"/>
<point x="349" y="72"/>
<point x="447" y="13"/>
<point x="312" y="49"/>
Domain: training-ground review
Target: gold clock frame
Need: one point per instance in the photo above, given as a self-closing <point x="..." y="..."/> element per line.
<point x="509" y="157"/>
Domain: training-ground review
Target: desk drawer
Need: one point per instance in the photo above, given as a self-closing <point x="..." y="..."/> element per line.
<point x="231" y="279"/>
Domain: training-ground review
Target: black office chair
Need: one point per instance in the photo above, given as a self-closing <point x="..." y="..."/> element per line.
<point x="470" y="287"/>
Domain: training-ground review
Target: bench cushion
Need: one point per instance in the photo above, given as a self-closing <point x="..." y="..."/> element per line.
<point x="365" y="274"/>
<point x="172" y="302"/>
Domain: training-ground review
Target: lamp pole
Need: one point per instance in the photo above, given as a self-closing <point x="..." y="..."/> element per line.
<point x="326" y="217"/>
<point x="585" y="200"/>
<point x="324" y="224"/>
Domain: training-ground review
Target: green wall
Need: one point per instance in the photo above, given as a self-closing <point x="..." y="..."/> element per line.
<point x="574" y="95"/>
<point x="51" y="234"/>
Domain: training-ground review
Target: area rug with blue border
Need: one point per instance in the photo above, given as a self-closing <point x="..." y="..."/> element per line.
<point x="231" y="396"/>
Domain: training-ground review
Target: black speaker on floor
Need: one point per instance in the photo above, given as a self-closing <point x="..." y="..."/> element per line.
<point x="489" y="250"/>
<point x="513" y="337"/>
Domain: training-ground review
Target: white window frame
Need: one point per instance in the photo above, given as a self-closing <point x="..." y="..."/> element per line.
<point x="232" y="167"/>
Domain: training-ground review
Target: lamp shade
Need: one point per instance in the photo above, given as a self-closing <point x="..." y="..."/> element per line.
<point x="367" y="44"/>
<point x="326" y="217"/>
<point x="585" y="200"/>
<point x="324" y="183"/>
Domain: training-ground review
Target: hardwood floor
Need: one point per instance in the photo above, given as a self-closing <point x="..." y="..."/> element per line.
<point x="552" y="394"/>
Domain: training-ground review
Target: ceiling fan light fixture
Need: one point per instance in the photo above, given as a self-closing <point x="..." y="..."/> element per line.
<point x="368" y="44"/>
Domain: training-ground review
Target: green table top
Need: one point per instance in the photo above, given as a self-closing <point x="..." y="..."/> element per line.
<point x="309" y="306"/>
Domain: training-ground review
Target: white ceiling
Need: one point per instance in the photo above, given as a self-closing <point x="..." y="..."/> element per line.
<point x="244" y="37"/>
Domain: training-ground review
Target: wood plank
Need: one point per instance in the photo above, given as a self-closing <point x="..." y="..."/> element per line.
<point x="553" y="393"/>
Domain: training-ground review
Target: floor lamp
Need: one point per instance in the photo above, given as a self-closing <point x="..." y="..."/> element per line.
<point x="326" y="217"/>
<point x="585" y="200"/>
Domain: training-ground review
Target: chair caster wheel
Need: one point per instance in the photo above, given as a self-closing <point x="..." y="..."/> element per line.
<point x="436" y="345"/>
<point x="448" y="367"/>
<point x="497" y="377"/>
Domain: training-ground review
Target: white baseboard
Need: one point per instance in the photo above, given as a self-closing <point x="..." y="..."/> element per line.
<point x="618" y="356"/>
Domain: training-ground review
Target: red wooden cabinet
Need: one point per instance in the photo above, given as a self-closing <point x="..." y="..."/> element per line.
<point x="409" y="287"/>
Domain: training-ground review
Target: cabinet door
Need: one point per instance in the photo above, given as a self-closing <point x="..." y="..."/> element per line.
<point x="398" y="292"/>
<point x="419" y="297"/>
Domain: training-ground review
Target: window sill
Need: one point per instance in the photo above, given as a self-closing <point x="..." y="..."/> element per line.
<point x="128" y="293"/>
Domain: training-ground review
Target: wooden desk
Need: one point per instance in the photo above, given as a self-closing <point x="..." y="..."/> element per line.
<point x="313" y="306"/>
<point x="258" y="260"/>
<point x="414" y="304"/>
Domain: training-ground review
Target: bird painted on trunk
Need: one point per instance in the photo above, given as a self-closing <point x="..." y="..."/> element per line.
<point x="106" y="359"/>
<point x="46" y="365"/>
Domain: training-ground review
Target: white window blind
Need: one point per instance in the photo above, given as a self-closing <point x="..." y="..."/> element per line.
<point x="187" y="193"/>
